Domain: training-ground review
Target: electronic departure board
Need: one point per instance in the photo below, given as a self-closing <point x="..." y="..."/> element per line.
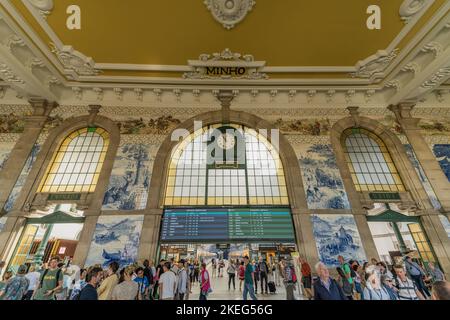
<point x="195" y="225"/>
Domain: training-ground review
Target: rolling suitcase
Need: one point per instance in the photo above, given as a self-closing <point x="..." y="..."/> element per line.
<point x="272" y="288"/>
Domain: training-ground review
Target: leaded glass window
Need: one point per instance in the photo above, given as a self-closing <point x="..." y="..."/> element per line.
<point x="370" y="163"/>
<point x="193" y="180"/>
<point x="77" y="163"/>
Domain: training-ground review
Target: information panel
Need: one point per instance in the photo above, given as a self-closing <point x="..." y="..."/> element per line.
<point x="221" y="225"/>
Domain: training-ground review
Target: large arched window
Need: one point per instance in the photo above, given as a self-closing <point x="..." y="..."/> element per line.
<point x="370" y="163"/>
<point x="76" y="165"/>
<point x="256" y="179"/>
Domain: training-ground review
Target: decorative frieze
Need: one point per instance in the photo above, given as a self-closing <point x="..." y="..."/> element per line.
<point x="150" y="139"/>
<point x="299" y="139"/>
<point x="9" y="137"/>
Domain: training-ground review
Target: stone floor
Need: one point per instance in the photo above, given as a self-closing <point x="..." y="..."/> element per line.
<point x="220" y="290"/>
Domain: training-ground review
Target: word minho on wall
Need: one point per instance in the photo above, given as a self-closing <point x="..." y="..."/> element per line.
<point x="226" y="65"/>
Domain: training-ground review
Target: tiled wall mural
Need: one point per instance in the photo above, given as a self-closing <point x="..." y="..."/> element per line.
<point x="116" y="238"/>
<point x="321" y="178"/>
<point x="5" y="150"/>
<point x="445" y="223"/>
<point x="442" y="153"/>
<point x="423" y="178"/>
<point x="2" y="223"/>
<point x="337" y="235"/>
<point x="130" y="178"/>
<point x="22" y="178"/>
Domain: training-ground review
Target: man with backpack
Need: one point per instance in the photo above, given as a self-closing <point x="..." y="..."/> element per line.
<point x="290" y="279"/>
<point x="51" y="281"/>
<point x="348" y="272"/>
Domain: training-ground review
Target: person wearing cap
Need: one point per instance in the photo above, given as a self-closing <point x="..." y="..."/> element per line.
<point x="181" y="280"/>
<point x="17" y="287"/>
<point x="387" y="281"/>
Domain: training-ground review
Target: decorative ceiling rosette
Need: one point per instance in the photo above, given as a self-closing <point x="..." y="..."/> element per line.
<point x="44" y="6"/>
<point x="229" y="12"/>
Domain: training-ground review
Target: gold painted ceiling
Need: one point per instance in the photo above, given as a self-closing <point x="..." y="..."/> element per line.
<point x="284" y="33"/>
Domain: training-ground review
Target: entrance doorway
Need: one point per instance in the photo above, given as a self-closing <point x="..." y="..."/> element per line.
<point x="396" y="235"/>
<point x="55" y="234"/>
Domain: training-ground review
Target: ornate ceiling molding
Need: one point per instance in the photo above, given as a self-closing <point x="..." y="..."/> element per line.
<point x="7" y="75"/>
<point x="410" y="8"/>
<point x="45" y="7"/>
<point x="229" y="12"/>
<point x="427" y="65"/>
<point x="374" y="66"/>
<point x="437" y="79"/>
<point x="75" y="61"/>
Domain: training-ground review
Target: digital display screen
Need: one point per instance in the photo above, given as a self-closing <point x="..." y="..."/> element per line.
<point x="194" y="225"/>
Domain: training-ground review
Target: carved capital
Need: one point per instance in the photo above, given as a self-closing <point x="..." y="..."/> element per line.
<point x="42" y="107"/>
<point x="402" y="110"/>
<point x="225" y="97"/>
<point x="94" y="109"/>
<point x="354" y="113"/>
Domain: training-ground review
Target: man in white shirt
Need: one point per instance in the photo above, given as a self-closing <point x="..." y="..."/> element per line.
<point x="167" y="283"/>
<point x="182" y="280"/>
<point x="33" y="277"/>
<point x="407" y="289"/>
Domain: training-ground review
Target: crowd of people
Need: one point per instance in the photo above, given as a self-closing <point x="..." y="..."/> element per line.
<point x="374" y="280"/>
<point x="175" y="280"/>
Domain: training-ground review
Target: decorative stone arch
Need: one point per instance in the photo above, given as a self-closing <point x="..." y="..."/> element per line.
<point x="415" y="195"/>
<point x="291" y="168"/>
<point x="92" y="204"/>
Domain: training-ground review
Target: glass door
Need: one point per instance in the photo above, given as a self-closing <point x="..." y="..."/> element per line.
<point x="421" y="241"/>
<point x="24" y="247"/>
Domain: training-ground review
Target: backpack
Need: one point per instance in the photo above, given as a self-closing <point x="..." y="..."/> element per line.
<point x="58" y="273"/>
<point x="347" y="287"/>
<point x="293" y="276"/>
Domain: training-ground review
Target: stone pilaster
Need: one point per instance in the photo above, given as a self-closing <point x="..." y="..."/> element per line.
<point x="7" y="241"/>
<point x="149" y="242"/>
<point x="425" y="156"/>
<point x="22" y="149"/>
<point x="366" y="237"/>
<point x="306" y="242"/>
<point x="85" y="240"/>
<point x="438" y="239"/>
